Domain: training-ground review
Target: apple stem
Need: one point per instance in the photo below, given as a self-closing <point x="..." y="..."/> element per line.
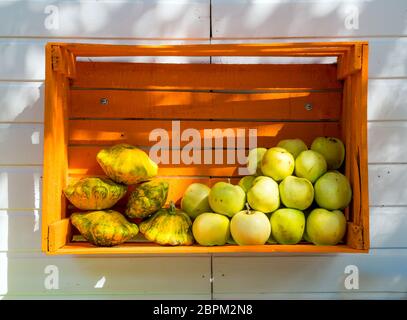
<point x="248" y="208"/>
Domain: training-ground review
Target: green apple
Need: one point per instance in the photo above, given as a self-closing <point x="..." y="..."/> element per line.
<point x="296" y="193"/>
<point x="325" y="227"/>
<point x="293" y="146"/>
<point x="254" y="160"/>
<point x="211" y="229"/>
<point x="310" y="165"/>
<point x="333" y="191"/>
<point x="226" y="198"/>
<point x="196" y="200"/>
<point x="277" y="163"/>
<point x="246" y="183"/>
<point x="287" y="225"/>
<point x="264" y="195"/>
<point x="250" y="227"/>
<point x="332" y="149"/>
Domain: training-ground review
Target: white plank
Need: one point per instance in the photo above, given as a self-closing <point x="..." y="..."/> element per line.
<point x="21" y="143"/>
<point x="138" y="276"/>
<point x="21" y="102"/>
<point x="315" y="18"/>
<point x="387" y="141"/>
<point x="388" y="227"/>
<point x="388" y="185"/>
<point x="20" y="187"/>
<point x="387" y="56"/>
<point x="106" y="19"/>
<point x="25" y="59"/>
<point x="387" y="99"/>
<point x="259" y="277"/>
<point x="20" y="231"/>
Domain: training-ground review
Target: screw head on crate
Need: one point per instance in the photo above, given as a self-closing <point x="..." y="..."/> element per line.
<point x="104" y="101"/>
<point x="308" y="106"/>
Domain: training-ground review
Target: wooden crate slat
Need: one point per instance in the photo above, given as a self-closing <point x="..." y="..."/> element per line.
<point x="204" y="105"/>
<point x="160" y="76"/>
<point x="137" y="132"/>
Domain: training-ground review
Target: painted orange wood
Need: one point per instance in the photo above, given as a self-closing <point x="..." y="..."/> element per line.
<point x="363" y="149"/>
<point x="55" y="149"/>
<point x="160" y="76"/>
<point x="138" y="132"/>
<point x="149" y="248"/>
<point x="204" y="105"/>
<point x="269" y="49"/>
<point x="144" y="97"/>
<point x="59" y="234"/>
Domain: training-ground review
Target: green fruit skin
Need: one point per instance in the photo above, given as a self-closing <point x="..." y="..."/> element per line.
<point x="277" y="163"/>
<point x="310" y="165"/>
<point x="293" y="146"/>
<point x="264" y="195"/>
<point x="246" y="183"/>
<point x="287" y="225"/>
<point x="250" y="229"/>
<point x="333" y="191"/>
<point x="126" y="164"/>
<point x="196" y="200"/>
<point x="332" y="149"/>
<point x="325" y="227"/>
<point x="94" y="193"/>
<point x="211" y="229"/>
<point x="147" y="198"/>
<point x="254" y="160"/>
<point x="296" y="193"/>
<point x="226" y="198"/>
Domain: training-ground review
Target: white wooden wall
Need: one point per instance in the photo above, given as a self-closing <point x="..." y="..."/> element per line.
<point x="23" y="33"/>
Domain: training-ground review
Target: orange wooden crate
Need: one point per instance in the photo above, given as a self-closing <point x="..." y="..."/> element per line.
<point x="144" y="96"/>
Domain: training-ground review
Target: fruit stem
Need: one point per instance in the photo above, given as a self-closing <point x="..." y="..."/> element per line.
<point x="172" y="207"/>
<point x="248" y="208"/>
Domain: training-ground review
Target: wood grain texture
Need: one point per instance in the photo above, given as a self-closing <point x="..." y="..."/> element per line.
<point x="20" y="231"/>
<point x="139" y="276"/>
<point x="144" y="20"/>
<point x="28" y="138"/>
<point x="285" y="277"/>
<point x="316" y="18"/>
<point x="204" y="105"/>
<point x="20" y="187"/>
<point x="205" y="76"/>
<point x="139" y="132"/>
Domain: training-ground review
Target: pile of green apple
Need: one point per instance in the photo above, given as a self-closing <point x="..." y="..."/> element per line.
<point x="293" y="194"/>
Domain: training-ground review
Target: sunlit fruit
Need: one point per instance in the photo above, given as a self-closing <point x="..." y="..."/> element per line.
<point x="332" y="149"/>
<point x="211" y="229"/>
<point x="250" y="227"/>
<point x="333" y="191"/>
<point x="277" y="163"/>
<point x="196" y="200"/>
<point x="287" y="225"/>
<point x="310" y="165"/>
<point x="264" y="195"/>
<point x="293" y="146"/>
<point x="325" y="227"/>
<point x="254" y="160"/>
<point x="246" y="182"/>
<point x="296" y="193"/>
<point x="226" y="198"/>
